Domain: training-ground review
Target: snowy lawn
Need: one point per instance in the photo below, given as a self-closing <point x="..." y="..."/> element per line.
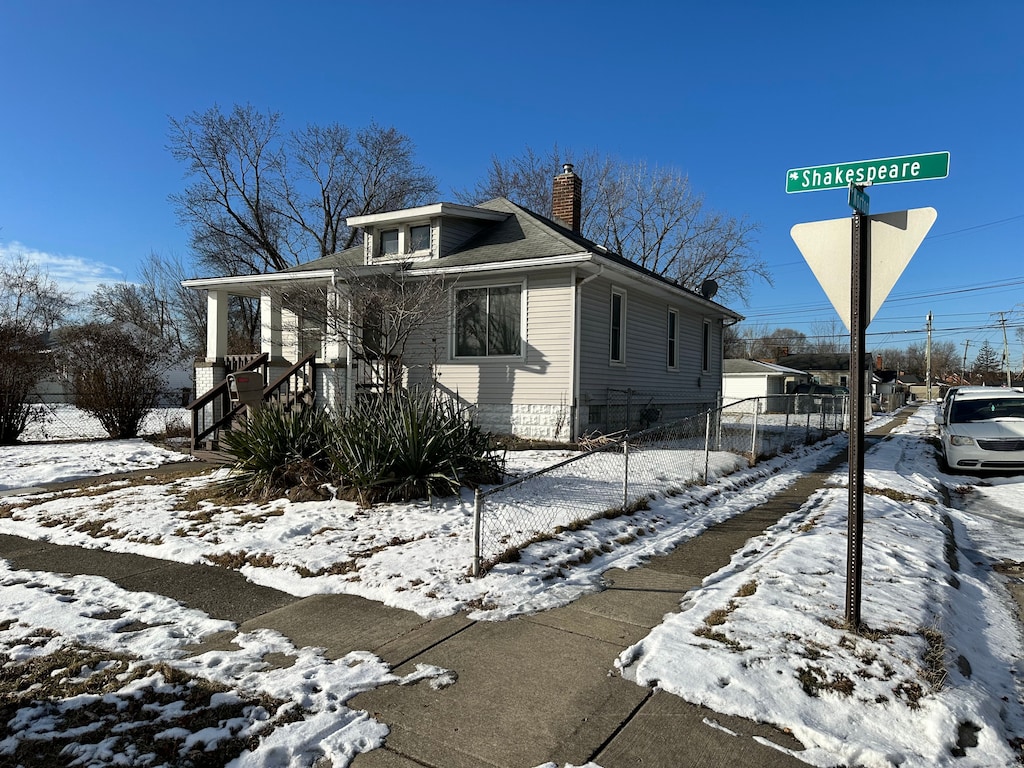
<point x="936" y="676"/>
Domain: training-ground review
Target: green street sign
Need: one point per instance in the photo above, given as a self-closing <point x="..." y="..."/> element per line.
<point x="886" y="170"/>
<point x="859" y="199"/>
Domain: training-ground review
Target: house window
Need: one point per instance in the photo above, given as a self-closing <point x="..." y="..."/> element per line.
<point x="705" y="357"/>
<point x="404" y="239"/>
<point x="311" y="334"/>
<point x="389" y="242"/>
<point x="488" y="321"/>
<point x="374" y="342"/>
<point x="617" y="315"/>
<point x="419" y="238"/>
<point x="673" y="335"/>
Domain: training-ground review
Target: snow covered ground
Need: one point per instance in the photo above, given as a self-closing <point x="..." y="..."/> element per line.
<point x="936" y="675"/>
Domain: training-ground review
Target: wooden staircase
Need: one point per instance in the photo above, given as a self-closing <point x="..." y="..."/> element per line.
<point x="220" y="410"/>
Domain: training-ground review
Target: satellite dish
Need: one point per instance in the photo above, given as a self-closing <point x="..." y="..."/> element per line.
<point x="708" y="289"/>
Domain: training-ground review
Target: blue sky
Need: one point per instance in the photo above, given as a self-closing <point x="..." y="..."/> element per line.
<point x="731" y="93"/>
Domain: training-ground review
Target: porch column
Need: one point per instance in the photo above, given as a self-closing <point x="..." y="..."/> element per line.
<point x="334" y="339"/>
<point x="216" y="325"/>
<point x="271" y="330"/>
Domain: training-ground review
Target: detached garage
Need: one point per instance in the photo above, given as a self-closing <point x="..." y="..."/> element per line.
<point x="743" y="379"/>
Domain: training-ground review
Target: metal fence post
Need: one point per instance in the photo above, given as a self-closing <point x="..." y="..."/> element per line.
<point x="478" y="510"/>
<point x="625" y="475"/>
<point x="785" y="429"/>
<point x="753" y="432"/>
<point x="707" y="447"/>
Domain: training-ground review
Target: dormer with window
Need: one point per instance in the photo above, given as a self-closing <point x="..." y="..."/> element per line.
<point x="422" y="233"/>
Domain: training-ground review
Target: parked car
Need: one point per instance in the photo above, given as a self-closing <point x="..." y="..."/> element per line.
<point x="982" y="428"/>
<point x="818" y="398"/>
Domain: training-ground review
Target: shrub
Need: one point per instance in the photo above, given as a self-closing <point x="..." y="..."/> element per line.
<point x="115" y="371"/>
<point x="279" y="452"/>
<point x="407" y="445"/>
<point x="21" y="366"/>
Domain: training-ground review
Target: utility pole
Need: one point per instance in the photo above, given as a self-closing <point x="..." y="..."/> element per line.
<point x="963" y="369"/>
<point x="928" y="356"/>
<point x="1006" y="350"/>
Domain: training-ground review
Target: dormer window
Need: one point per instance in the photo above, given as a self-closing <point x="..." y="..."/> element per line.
<point x="405" y="239"/>
<point x="389" y="242"/>
<point x="419" y="238"/>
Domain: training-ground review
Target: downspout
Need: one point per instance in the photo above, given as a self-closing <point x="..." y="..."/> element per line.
<point x="577" y="324"/>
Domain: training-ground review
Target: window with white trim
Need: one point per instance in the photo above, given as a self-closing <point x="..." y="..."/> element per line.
<point x="672" y="333"/>
<point x="403" y="239"/>
<point x="705" y="356"/>
<point x="488" y="321"/>
<point x="419" y="238"/>
<point x="617" y="327"/>
<point x="389" y="242"/>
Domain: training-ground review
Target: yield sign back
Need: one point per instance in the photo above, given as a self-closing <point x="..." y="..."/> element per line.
<point x="827" y="248"/>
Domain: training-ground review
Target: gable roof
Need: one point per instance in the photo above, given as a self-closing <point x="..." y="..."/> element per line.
<point x="737" y="366"/>
<point x="824" y="361"/>
<point x="519" y="238"/>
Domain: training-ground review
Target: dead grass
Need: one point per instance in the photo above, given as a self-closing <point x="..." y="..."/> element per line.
<point x="815" y="680"/>
<point x="720" y="637"/>
<point x="236" y="560"/>
<point x="746" y="590"/>
<point x="895" y="495"/>
<point x="932" y="672"/>
<point x="92" y="696"/>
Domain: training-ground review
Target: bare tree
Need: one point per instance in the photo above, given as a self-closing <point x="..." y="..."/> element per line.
<point x="379" y="314"/>
<point x="651" y="216"/>
<point x="829" y="336"/>
<point x="158" y="305"/>
<point x="31" y="304"/>
<point x="757" y="342"/>
<point x="261" y="199"/>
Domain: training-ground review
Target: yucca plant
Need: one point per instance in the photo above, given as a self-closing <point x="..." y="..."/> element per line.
<point x="407" y="445"/>
<point x="281" y="452"/>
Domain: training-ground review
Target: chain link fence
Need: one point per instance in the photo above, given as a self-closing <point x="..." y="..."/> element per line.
<point x="63" y="422"/>
<point x="620" y="474"/>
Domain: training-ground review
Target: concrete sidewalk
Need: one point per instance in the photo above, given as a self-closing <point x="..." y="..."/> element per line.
<point x="530" y="690"/>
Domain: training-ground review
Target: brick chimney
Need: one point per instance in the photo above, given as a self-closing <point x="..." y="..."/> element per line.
<point x="878" y="363"/>
<point x="567" y="198"/>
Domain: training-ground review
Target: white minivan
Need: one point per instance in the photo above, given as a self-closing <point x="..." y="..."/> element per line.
<point x="982" y="428"/>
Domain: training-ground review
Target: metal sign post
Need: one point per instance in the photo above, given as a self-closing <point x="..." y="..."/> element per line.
<point x="823" y="245"/>
<point x="859" y="302"/>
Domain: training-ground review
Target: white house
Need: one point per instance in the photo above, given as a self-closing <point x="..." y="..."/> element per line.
<point x="545" y="334"/>
<point x="745" y="379"/>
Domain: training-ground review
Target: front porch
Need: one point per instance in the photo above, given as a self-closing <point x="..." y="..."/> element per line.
<point x="301" y="362"/>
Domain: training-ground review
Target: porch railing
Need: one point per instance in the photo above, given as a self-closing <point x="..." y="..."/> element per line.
<point x="215" y="410"/>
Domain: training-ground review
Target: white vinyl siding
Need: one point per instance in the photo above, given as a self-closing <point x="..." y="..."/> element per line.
<point x="542" y="374"/>
<point x="645" y="342"/>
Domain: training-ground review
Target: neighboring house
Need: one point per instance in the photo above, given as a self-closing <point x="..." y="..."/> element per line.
<point x="545" y="334"/>
<point x="743" y="379"/>
<point x="890" y="390"/>
<point x="825" y="368"/>
<point x="832" y="368"/>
